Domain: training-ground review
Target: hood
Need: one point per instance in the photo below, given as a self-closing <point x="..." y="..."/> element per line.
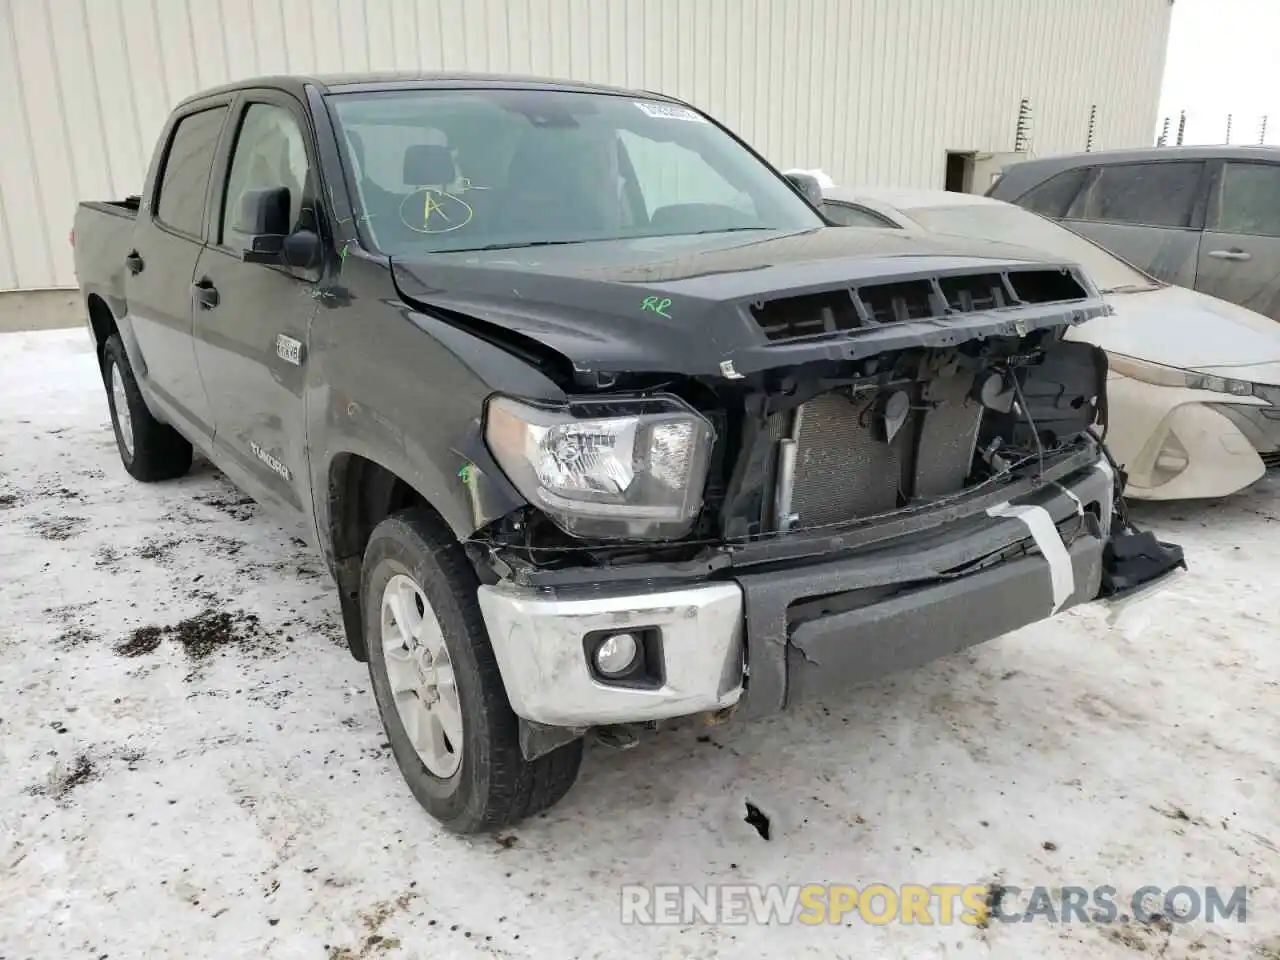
<point x="1178" y="327"/>
<point x="681" y="304"/>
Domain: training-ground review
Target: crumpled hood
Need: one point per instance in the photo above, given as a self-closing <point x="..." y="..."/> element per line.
<point x="680" y="304"/>
<point x="1178" y="327"/>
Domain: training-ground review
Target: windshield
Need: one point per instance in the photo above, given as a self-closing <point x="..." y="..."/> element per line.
<point x="444" y="170"/>
<point x="1009" y="224"/>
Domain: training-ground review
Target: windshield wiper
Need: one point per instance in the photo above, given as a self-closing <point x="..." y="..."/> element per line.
<point x="1130" y="288"/>
<point x="527" y="243"/>
<point x="698" y="233"/>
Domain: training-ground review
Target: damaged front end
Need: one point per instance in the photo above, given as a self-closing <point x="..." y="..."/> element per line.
<point x="920" y="470"/>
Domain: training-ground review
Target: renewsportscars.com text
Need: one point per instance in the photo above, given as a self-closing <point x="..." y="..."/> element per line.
<point x="936" y="903"/>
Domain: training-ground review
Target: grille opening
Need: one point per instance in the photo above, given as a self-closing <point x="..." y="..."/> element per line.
<point x="1045" y="286"/>
<point x="899" y="302"/>
<point x="984" y="291"/>
<point x="807" y="315"/>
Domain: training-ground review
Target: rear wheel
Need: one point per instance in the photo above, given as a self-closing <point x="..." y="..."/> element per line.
<point x="150" y="450"/>
<point x="438" y="688"/>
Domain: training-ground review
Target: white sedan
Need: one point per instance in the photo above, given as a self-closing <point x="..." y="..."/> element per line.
<point x="1194" y="384"/>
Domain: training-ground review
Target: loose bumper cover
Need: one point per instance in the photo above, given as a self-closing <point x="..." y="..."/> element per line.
<point x="764" y="640"/>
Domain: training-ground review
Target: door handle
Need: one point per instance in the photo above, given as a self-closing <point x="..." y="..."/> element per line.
<point x="205" y="294"/>
<point x="1235" y="253"/>
<point x="134" y="262"/>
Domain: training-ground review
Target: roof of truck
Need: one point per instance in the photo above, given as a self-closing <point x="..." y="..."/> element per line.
<point x="350" y="82"/>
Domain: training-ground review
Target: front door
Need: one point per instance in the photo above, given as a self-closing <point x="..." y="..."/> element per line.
<point x="1149" y="213"/>
<point x="1240" y="251"/>
<point x="252" y="319"/>
<point x="159" y="268"/>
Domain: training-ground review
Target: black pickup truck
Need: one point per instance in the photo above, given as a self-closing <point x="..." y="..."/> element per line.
<point x="595" y="419"/>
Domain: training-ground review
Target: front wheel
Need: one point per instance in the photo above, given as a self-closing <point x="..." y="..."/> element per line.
<point x="438" y="688"/>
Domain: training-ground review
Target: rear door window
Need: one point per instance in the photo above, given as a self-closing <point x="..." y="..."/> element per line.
<point x="1053" y="197"/>
<point x="185" y="179"/>
<point x="1156" y="194"/>
<point x="1248" y="200"/>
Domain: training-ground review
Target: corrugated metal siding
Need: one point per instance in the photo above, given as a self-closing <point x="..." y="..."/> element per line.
<point x="872" y="91"/>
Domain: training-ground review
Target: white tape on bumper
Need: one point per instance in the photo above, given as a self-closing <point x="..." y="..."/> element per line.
<point x="1075" y="499"/>
<point x="1045" y="533"/>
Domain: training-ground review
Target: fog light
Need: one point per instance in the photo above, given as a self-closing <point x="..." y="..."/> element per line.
<point x="1172" y="458"/>
<point x="616" y="654"/>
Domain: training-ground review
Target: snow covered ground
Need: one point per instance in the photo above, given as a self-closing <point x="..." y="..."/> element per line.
<point x="223" y="789"/>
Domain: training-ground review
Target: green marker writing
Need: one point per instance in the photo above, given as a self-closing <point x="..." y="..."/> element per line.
<point x="656" y="305"/>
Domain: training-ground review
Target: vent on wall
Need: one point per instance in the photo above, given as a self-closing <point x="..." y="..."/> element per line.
<point x="833" y="311"/>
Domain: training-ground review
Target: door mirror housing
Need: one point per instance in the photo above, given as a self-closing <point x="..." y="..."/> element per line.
<point x="301" y="250"/>
<point x="809" y="186"/>
<point x="264" y="218"/>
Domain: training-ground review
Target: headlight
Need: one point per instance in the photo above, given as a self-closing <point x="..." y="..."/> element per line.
<point x="1176" y="377"/>
<point x="632" y="469"/>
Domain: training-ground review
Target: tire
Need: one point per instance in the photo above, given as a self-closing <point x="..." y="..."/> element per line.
<point x="493" y="785"/>
<point x="150" y="450"/>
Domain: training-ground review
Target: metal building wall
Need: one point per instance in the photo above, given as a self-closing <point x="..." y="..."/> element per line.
<point x="872" y="91"/>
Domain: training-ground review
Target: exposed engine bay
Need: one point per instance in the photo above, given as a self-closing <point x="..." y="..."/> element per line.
<point x="839" y="445"/>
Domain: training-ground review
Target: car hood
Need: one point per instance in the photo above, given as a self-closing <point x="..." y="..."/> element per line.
<point x="1178" y="327"/>
<point x="681" y="304"/>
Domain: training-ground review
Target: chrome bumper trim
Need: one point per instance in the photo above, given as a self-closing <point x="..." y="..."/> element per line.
<point x="539" y="643"/>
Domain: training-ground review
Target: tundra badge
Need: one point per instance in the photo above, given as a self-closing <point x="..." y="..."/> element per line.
<point x="289" y="349"/>
<point x="269" y="460"/>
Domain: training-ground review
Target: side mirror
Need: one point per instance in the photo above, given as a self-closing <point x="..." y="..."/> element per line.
<point x="301" y="249"/>
<point x="808" y="185"/>
<point x="264" y="217"/>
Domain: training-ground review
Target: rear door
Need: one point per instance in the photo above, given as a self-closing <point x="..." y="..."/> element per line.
<point x="251" y="328"/>
<point x="1150" y="213"/>
<point x="1240" y="253"/>
<point x="166" y="244"/>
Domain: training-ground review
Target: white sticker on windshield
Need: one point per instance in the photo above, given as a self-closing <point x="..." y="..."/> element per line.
<point x="669" y="111"/>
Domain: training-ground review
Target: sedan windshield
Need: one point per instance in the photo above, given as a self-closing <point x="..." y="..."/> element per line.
<point x="1009" y="224"/>
<point x="450" y="169"/>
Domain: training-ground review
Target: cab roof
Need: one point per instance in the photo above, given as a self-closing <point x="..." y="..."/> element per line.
<point x="296" y="84"/>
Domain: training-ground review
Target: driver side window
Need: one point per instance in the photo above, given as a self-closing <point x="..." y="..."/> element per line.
<point x="269" y="153"/>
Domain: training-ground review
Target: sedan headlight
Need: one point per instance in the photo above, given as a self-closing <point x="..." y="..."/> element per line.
<point x="1161" y="375"/>
<point x="612" y="469"/>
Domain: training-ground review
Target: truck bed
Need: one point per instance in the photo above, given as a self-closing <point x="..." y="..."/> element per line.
<point x="128" y="207"/>
<point x="102" y="236"/>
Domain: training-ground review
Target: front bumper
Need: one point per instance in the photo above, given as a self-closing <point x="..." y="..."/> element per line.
<point x="1176" y="443"/>
<point x="764" y="640"/>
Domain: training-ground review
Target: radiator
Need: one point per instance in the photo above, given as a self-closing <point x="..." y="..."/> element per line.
<point x="844" y="470"/>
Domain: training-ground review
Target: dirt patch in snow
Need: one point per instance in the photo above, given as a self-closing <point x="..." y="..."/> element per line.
<point x="157" y="550"/>
<point x="141" y="641"/>
<point x="234" y="505"/>
<point x="200" y="636"/>
<point x="64" y="778"/>
<point x="58" y="528"/>
<point x="53" y="489"/>
<point x="74" y="637"/>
